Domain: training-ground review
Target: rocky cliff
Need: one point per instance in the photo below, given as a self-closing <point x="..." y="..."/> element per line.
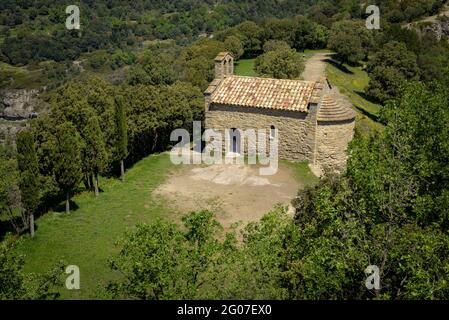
<point x="439" y="28"/>
<point x="19" y="104"/>
<point x="437" y="25"/>
<point x="16" y="108"/>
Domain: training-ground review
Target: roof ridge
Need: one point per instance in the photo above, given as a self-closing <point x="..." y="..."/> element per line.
<point x="265" y="78"/>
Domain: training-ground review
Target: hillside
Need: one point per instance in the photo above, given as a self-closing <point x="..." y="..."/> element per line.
<point x="437" y="24"/>
<point x="350" y="126"/>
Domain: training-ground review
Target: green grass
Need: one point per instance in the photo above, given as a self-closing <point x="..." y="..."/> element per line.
<point x="26" y="77"/>
<point x="352" y="81"/>
<point x="87" y="235"/>
<point x="302" y="172"/>
<point x="245" y="67"/>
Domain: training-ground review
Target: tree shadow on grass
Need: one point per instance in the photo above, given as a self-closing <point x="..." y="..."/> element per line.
<point x="7" y="226"/>
<point x="60" y="207"/>
<point x="339" y="66"/>
<point x="368" y="114"/>
<point x="366" y="96"/>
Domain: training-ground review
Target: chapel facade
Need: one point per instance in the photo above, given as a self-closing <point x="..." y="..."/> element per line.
<point x="311" y="125"/>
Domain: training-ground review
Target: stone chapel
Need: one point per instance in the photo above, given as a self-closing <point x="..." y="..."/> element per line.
<point x="312" y="126"/>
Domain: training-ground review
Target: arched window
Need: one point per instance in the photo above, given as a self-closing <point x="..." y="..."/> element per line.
<point x="230" y="67"/>
<point x="235" y="140"/>
<point x="225" y="68"/>
<point x="272" y="132"/>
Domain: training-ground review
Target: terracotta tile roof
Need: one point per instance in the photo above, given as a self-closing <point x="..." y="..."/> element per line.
<point x="331" y="111"/>
<point x="293" y="95"/>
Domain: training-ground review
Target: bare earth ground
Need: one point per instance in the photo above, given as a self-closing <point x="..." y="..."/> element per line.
<point x="234" y="192"/>
<point x="315" y="67"/>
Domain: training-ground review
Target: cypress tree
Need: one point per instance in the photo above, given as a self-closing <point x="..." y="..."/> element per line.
<point x="122" y="134"/>
<point x="67" y="160"/>
<point x="95" y="150"/>
<point x="29" y="176"/>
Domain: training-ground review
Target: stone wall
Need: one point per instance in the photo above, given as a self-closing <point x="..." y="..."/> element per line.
<point x="295" y="130"/>
<point x="331" y="144"/>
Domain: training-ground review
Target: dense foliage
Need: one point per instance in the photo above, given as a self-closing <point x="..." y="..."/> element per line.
<point x="281" y="64"/>
<point x="29" y="183"/>
<point x="162" y="261"/>
<point x="16" y="284"/>
<point x="35" y="30"/>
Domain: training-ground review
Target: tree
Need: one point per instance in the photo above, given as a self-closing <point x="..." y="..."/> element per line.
<point x="348" y="48"/>
<point x="196" y="62"/>
<point x="280" y="64"/>
<point x="152" y="69"/>
<point x="154" y="112"/>
<point x="433" y="58"/>
<point x="44" y="132"/>
<point x="234" y="45"/>
<point x="16" y="284"/>
<point x="163" y="261"/>
<point x="95" y="155"/>
<point x="389" y="69"/>
<point x="340" y="235"/>
<point x="258" y="266"/>
<point x="351" y="40"/>
<point x="10" y="201"/>
<point x="67" y="160"/>
<point x="251" y="34"/>
<point x="29" y="176"/>
<point x="279" y="30"/>
<point x="416" y="139"/>
<point x="170" y="260"/>
<point x="308" y="34"/>
<point x="274" y="45"/>
<point x="122" y="133"/>
<point x="80" y="103"/>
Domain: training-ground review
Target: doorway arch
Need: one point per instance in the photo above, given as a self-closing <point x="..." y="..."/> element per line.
<point x="235" y="140"/>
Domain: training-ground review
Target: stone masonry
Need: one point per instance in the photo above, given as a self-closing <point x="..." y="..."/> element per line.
<point x="311" y="125"/>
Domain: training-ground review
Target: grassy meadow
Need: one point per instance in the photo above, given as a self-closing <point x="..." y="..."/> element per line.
<point x="245" y="67"/>
<point x="87" y="235"/>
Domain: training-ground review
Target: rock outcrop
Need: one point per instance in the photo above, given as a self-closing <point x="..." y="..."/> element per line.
<point x="19" y="104"/>
<point x="439" y="28"/>
<point x="16" y="108"/>
<point x="437" y="25"/>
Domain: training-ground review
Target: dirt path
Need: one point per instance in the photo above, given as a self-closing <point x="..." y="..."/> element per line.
<point x="315" y="68"/>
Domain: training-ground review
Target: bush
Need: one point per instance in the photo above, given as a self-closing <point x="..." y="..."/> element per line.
<point x="280" y="64"/>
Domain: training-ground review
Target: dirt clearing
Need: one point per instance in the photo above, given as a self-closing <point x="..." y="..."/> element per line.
<point x="234" y="192"/>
